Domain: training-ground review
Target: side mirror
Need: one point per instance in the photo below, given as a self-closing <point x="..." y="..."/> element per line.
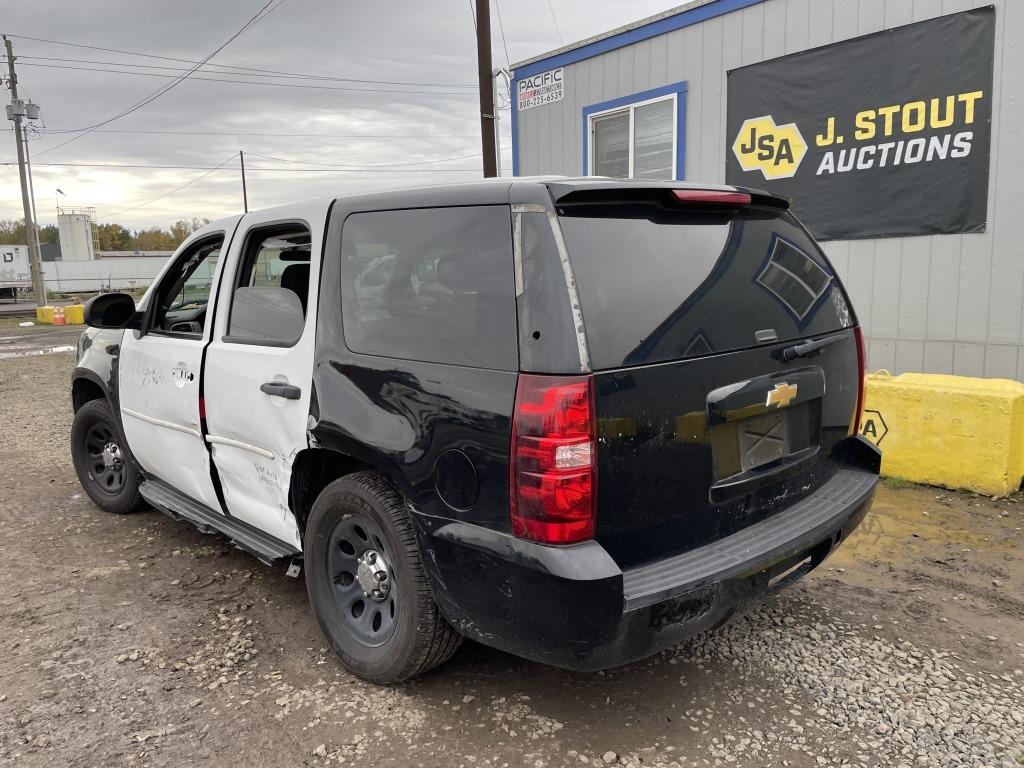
<point x="112" y="310"/>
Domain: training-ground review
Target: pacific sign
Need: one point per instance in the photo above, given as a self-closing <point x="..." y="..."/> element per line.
<point x="544" y="88"/>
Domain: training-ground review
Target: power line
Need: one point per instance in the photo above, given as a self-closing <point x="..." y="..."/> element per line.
<point x="293" y="135"/>
<point x="180" y="78"/>
<point x="222" y="69"/>
<point x="501" y="29"/>
<point x="168" y="194"/>
<point x="561" y="40"/>
<point x="161" y="91"/>
<point x="227" y="66"/>
<point x="365" y="167"/>
<point x="332" y="169"/>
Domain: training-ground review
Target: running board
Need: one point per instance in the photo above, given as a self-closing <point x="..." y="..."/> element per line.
<point x="178" y="506"/>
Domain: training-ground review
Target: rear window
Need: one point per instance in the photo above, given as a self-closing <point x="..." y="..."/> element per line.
<point x="432" y="284"/>
<point x="657" y="285"/>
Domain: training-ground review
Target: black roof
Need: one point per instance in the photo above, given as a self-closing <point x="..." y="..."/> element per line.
<point x="507" y="189"/>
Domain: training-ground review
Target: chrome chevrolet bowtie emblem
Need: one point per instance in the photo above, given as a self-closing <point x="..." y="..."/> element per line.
<point x="781" y="395"/>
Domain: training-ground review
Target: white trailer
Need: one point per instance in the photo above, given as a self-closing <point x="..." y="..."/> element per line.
<point x="15" y="273"/>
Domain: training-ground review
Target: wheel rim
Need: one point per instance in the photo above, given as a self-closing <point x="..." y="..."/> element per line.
<point x="106" y="462"/>
<point x="361" y="572"/>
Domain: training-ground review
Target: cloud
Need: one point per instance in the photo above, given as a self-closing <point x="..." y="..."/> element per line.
<point x="425" y="42"/>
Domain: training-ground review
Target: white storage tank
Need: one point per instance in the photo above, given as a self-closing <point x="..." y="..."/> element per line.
<point x="76" y="241"/>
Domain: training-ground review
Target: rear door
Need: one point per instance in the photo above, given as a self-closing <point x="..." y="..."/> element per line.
<point x="159" y="370"/>
<point x="705" y="426"/>
<point x="259" y="365"/>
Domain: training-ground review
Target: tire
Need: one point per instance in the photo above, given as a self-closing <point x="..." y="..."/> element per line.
<point x="112" y="487"/>
<point x="380" y="639"/>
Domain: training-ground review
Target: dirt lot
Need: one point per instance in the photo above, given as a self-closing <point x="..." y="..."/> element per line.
<point x="139" y="641"/>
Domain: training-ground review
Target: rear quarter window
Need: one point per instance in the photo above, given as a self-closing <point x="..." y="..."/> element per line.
<point x="432" y="284"/>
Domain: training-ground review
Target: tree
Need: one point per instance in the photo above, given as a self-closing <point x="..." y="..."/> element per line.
<point x="154" y="239"/>
<point x="114" y="237"/>
<point x="12" y="232"/>
<point x="182" y="228"/>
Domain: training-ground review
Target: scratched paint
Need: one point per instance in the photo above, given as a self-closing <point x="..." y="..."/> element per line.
<point x="7" y="354"/>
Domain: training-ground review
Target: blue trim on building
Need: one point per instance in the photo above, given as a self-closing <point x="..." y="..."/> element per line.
<point x="655" y="28"/>
<point x="513" y="89"/>
<point x="596" y="48"/>
<point x="679" y="89"/>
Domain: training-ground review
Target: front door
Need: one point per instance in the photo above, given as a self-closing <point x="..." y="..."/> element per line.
<point x="159" y="371"/>
<point x="259" y="365"/>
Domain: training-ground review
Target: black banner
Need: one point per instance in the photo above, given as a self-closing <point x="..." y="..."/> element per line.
<point x="883" y="135"/>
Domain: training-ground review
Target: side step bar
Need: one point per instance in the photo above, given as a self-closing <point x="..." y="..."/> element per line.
<point x="178" y="506"/>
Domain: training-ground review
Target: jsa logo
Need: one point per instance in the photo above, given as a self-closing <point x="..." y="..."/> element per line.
<point x="774" y="150"/>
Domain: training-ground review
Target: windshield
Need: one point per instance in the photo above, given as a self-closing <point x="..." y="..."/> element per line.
<point x="657" y="285"/>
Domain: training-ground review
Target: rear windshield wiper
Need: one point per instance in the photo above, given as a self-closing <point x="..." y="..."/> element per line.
<point x="808" y="348"/>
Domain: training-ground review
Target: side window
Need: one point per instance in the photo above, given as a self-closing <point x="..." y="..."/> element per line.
<point x="183" y="295"/>
<point x="268" y="304"/>
<point x="431" y="284"/>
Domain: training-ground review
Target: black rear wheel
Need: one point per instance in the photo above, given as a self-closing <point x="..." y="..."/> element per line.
<point x="102" y="463"/>
<point x="362" y="573"/>
<point x="366" y="582"/>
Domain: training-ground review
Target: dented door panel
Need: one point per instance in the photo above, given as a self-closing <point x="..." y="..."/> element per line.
<point x="159" y="377"/>
<point x="253" y="434"/>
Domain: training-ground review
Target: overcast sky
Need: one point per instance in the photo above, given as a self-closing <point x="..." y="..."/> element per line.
<point x="429" y="42"/>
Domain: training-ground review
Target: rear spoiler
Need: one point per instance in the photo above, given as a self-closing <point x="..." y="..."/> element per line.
<point x="667" y="195"/>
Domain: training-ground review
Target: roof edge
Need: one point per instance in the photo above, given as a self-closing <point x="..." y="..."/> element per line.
<point x="634" y="32"/>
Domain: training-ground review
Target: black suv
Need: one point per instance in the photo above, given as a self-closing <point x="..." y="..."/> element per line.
<point x="578" y="420"/>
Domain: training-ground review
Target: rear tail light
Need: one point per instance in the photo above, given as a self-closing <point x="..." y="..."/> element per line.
<point x="862" y="371"/>
<point x="716" y="196"/>
<point x="553" y="476"/>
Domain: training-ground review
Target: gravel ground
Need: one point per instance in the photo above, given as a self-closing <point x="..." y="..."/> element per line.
<point x="138" y="641"/>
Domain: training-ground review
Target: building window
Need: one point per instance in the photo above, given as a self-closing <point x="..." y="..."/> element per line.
<point x="637" y="137"/>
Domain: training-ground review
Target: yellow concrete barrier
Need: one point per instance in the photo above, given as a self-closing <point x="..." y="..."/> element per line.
<point x="75" y="314"/>
<point x="951" y="431"/>
<point x="44" y="314"/>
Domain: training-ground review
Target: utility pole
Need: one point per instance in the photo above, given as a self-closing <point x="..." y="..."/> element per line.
<point x="245" y="195"/>
<point x="15" y="112"/>
<point x="483" y="60"/>
<point x="497" y="119"/>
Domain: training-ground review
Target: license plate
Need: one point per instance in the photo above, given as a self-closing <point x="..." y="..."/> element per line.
<point x="763" y="439"/>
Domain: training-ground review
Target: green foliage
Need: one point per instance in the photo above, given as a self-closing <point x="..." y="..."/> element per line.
<point x="154" y="239"/>
<point x="112" y="237"/>
<point x="49" y="234"/>
<point x="12" y="231"/>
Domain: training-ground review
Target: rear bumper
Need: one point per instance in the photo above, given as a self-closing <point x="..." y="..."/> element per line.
<point x="573" y="607"/>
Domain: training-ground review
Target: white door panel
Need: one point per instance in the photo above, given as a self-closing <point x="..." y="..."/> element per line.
<point x="255" y="436"/>
<point x="158" y="391"/>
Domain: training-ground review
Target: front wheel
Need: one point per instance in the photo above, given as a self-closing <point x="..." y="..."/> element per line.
<point x="366" y="582"/>
<point x="102" y="463"/>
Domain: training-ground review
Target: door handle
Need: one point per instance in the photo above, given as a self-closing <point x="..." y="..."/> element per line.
<point x="287" y="391"/>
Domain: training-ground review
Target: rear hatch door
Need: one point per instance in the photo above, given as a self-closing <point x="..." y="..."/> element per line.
<point x="706" y="424"/>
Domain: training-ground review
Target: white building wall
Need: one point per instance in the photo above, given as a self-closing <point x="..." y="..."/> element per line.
<point x="123" y="272"/>
<point x="940" y="304"/>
